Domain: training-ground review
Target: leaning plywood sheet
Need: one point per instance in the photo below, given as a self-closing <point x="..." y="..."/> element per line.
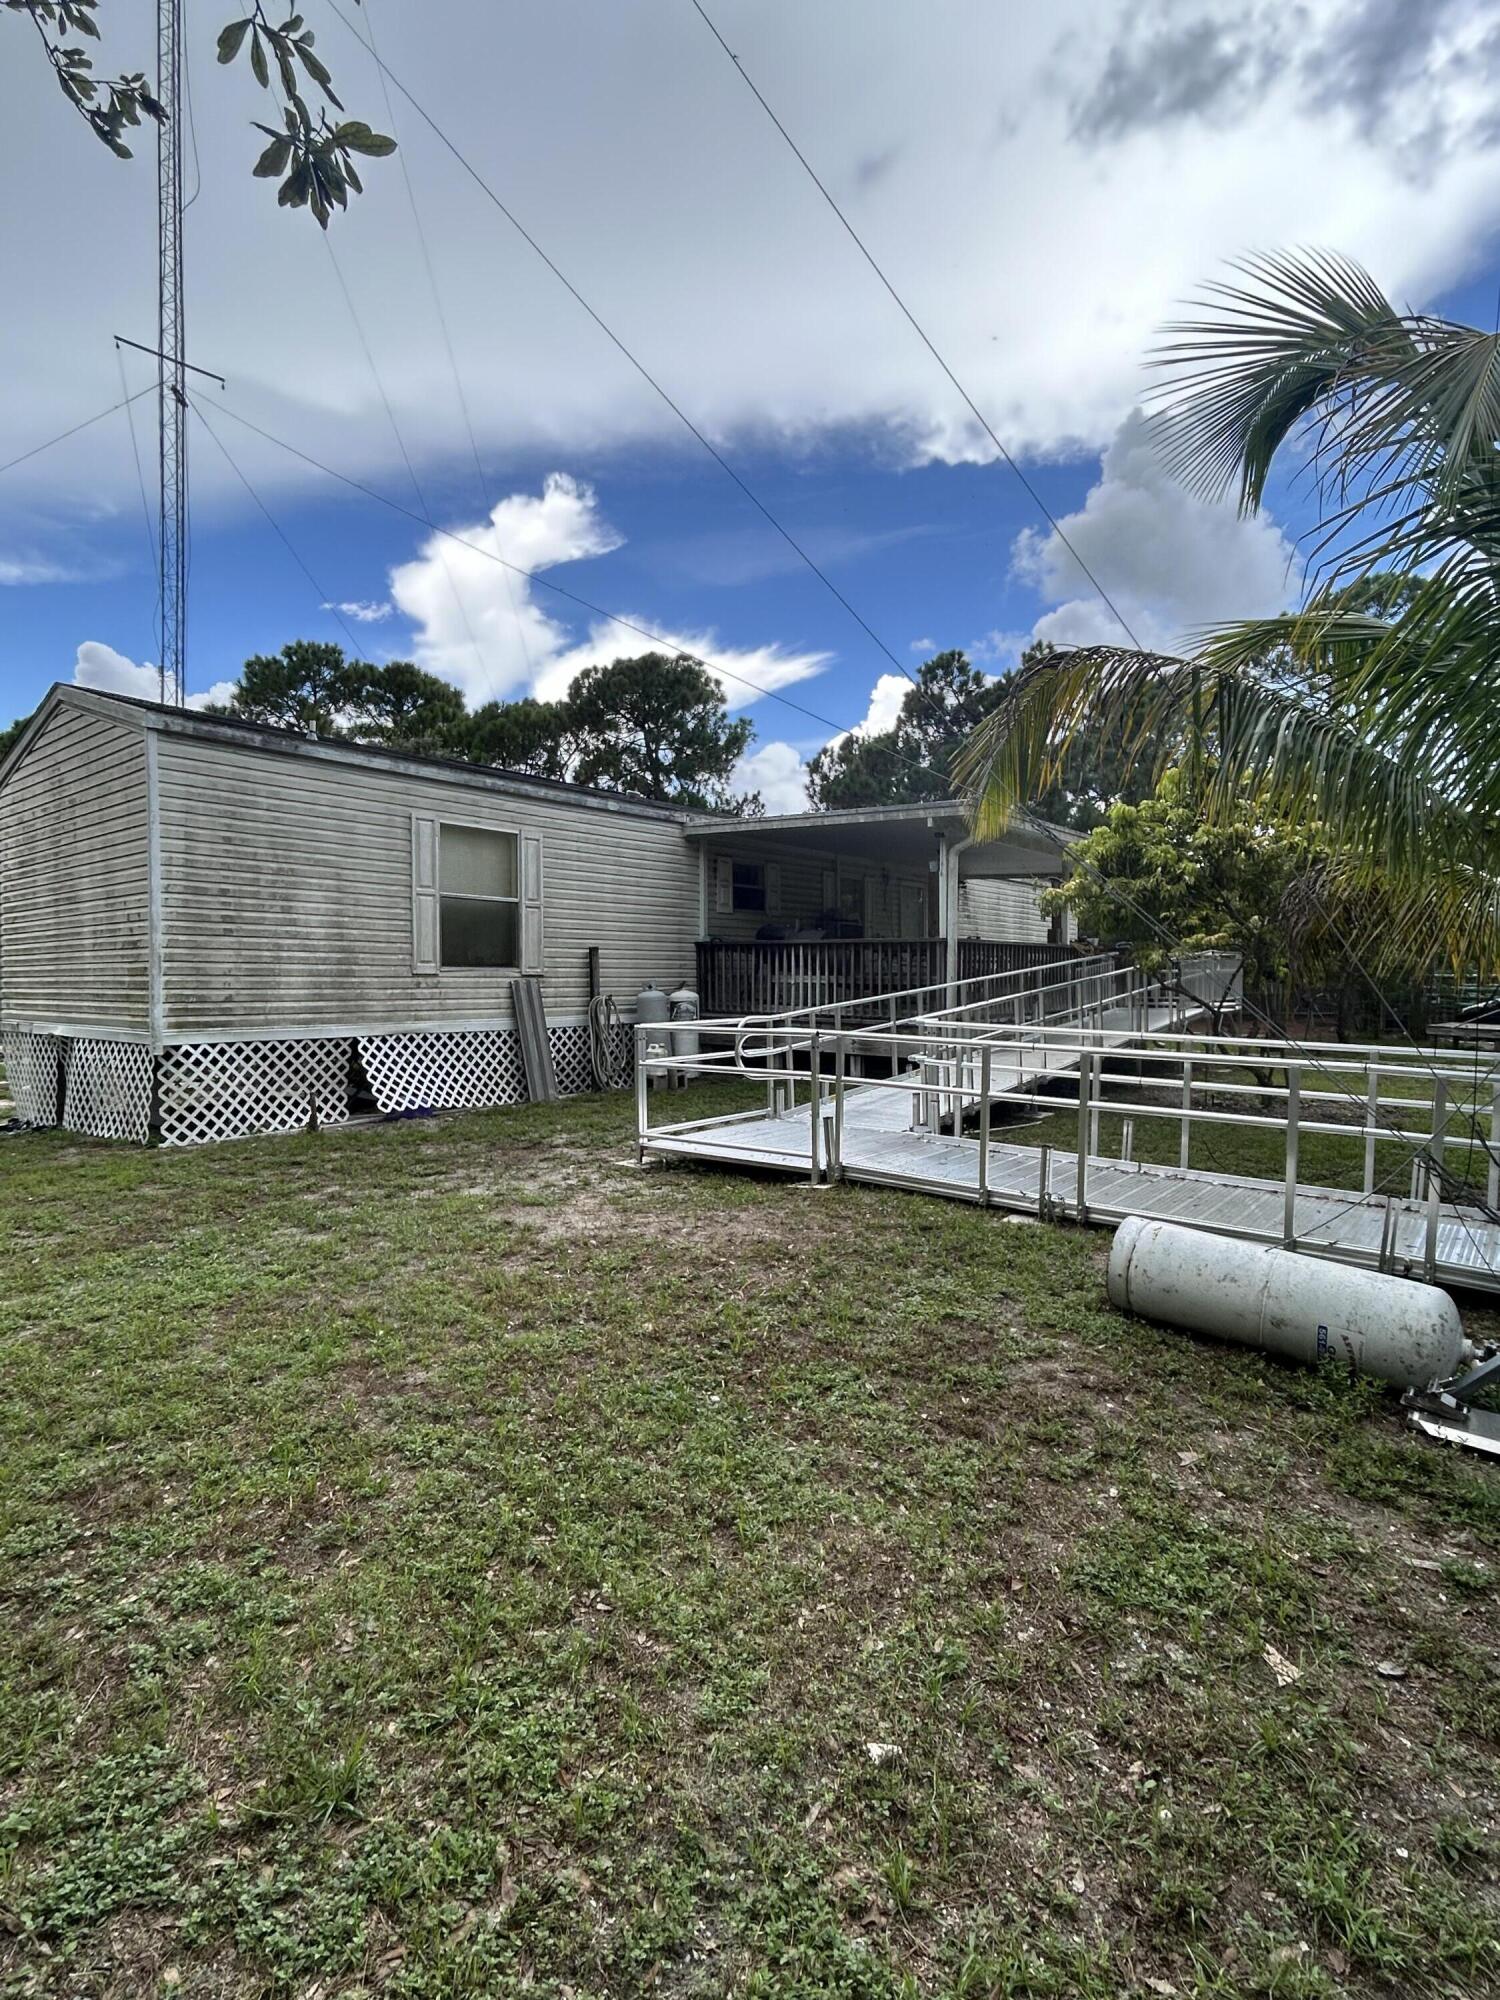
<point x="536" y="1049"/>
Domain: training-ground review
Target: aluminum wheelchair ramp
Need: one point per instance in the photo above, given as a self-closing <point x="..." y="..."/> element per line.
<point x="1370" y="1230"/>
<point x="1422" y="1124"/>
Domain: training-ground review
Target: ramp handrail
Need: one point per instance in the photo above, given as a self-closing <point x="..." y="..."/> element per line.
<point x="1444" y="1112"/>
<point x="792" y="1027"/>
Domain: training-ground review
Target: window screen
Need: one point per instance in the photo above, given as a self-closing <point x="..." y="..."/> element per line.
<point x="474" y="862"/>
<point x="479" y="906"/>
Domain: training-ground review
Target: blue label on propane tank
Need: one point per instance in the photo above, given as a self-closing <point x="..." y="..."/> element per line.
<point x="1322" y="1342"/>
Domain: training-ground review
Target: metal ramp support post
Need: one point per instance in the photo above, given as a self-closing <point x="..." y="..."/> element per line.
<point x="984" y="1122"/>
<point x="1372" y="1119"/>
<point x="1085" y="1093"/>
<point x="840" y="1076"/>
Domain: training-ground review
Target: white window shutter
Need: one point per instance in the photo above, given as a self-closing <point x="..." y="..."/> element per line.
<point x="723" y="885"/>
<point x="425" y="951"/>
<point x="531" y="902"/>
<point x="773" y="889"/>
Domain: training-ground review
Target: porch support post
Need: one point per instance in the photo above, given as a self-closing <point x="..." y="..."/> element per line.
<point x="949" y="851"/>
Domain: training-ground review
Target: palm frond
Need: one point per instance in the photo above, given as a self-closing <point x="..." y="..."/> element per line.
<point x="1383" y="731"/>
<point x="1308" y="342"/>
<point x="1289" y="748"/>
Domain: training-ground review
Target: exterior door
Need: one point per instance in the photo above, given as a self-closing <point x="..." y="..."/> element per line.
<point x="912" y="915"/>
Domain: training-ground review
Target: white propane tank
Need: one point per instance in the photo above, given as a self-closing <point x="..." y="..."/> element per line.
<point x="684" y="1007"/>
<point x="651" y="1013"/>
<point x="1302" y="1307"/>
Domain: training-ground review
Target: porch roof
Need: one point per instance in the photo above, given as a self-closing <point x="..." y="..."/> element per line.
<point x="902" y="834"/>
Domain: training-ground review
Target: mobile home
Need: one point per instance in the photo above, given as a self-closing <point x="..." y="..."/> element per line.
<point x="210" y="927"/>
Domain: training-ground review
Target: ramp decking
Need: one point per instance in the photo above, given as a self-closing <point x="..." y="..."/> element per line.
<point x="879" y="1147"/>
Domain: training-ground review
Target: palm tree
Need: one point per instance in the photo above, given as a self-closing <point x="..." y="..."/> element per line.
<point x="1375" y="709"/>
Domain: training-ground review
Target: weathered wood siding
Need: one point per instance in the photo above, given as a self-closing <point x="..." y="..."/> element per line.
<point x="806" y="875"/>
<point x="287" y="894"/>
<point x="75" y="878"/>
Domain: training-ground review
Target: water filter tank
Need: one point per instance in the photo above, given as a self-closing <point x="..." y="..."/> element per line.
<point x="1303" y="1307"/>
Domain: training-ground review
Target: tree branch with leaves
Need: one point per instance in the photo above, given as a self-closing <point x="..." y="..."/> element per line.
<point x="311" y="155"/>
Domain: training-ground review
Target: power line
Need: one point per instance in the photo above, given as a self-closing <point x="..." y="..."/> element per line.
<point x="280" y="532"/>
<point x="411" y="472"/>
<point x="88" y="422"/>
<point x="140" y="476"/>
<point x="921" y="332"/>
<point x="442" y="319"/>
<point x="660" y="639"/>
<point x="635" y="361"/>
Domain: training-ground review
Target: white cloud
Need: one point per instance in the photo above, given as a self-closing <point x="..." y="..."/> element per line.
<point x="745" y="673"/>
<point x="886" y="697"/>
<point x="21" y="570"/>
<point x="999" y="649"/>
<point x="778" y="773"/>
<point x="479" y="624"/>
<point x="100" y="667"/>
<point x="1172" y="563"/>
<point x="884" y="706"/>
<point x="1077" y="229"/>
<point x="477" y="621"/>
<point x="927" y="646"/>
<point x="363" y="612"/>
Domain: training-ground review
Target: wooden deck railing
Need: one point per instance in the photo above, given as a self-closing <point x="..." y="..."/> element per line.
<point x="760" y="977"/>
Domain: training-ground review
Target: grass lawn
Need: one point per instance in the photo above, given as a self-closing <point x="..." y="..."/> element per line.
<point x="446" y="1560"/>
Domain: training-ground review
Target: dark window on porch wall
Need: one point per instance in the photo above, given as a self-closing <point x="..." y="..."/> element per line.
<point x="749" y="885"/>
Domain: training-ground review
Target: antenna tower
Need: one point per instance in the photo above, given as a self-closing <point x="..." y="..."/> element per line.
<point x="171" y="384"/>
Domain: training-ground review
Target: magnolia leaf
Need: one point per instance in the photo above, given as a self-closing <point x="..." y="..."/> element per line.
<point x="231" y="39"/>
<point x="360" y="139"/>
<point x="273" y="162"/>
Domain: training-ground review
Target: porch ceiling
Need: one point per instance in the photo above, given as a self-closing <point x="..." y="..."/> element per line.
<point x="895" y="837"/>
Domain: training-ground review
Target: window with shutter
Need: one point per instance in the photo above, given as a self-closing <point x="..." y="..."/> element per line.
<point x="476" y="897"/>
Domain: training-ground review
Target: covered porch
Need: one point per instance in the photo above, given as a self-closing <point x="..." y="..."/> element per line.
<point x="809" y="909"/>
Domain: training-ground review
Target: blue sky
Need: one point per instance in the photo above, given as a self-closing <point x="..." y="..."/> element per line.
<point x="1045" y="191"/>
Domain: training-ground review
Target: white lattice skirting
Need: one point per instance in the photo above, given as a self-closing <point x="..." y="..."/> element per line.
<point x="229" y="1090"/>
<point x="468" y="1070"/>
<point x="437" y="1072"/>
<point x="572" y="1057"/>
<point x="233" y="1090"/>
<point x="108" y="1089"/>
<point x="33" y="1069"/>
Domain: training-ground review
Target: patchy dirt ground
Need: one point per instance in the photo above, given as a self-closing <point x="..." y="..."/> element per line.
<point x="446" y="1560"/>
